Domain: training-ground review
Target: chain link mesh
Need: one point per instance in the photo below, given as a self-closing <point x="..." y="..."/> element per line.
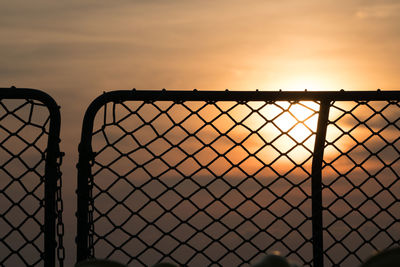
<point x="221" y="183"/>
<point x="24" y="134"/>
<point x="361" y="186"/>
<point x="202" y="183"/>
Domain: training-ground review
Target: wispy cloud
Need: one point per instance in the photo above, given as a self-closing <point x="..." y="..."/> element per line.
<point x="378" y="11"/>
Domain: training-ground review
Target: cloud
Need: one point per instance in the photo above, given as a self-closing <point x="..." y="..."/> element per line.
<point x="378" y="11"/>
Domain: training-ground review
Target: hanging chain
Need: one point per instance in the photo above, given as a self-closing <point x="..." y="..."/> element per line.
<point x="90" y="210"/>
<point x="90" y="219"/>
<point x="59" y="211"/>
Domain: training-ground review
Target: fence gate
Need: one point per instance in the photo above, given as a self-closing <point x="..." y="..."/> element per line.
<point x="30" y="193"/>
<point x="221" y="178"/>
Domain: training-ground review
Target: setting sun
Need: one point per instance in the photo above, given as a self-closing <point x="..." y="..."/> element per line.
<point x="296" y="120"/>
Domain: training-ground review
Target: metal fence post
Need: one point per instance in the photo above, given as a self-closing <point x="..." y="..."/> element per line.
<point x="51" y="187"/>
<point x="84" y="175"/>
<point x="316" y="184"/>
<point x="82" y="209"/>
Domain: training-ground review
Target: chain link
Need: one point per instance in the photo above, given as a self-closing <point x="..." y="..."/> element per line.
<point x="219" y="139"/>
<point x="90" y="218"/>
<point x="30" y="175"/>
<point x="59" y="211"/>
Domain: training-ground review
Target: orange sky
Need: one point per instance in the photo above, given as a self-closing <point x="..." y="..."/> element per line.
<point x="76" y="50"/>
<point x="99" y="45"/>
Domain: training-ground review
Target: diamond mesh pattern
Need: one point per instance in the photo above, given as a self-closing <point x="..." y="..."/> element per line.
<point x="361" y="186"/>
<point x="30" y="179"/>
<point x="24" y="130"/>
<point x="221" y="183"/>
<point x="201" y="183"/>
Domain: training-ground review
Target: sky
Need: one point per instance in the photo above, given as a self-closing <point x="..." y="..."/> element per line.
<point x="75" y="50"/>
<point x="92" y="46"/>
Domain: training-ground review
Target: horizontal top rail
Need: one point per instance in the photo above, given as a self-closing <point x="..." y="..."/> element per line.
<point x="227" y="95"/>
<point x="196" y="95"/>
<point x="24" y="93"/>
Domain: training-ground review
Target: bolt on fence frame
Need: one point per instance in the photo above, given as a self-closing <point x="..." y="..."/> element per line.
<point x="86" y="155"/>
<point x="51" y="172"/>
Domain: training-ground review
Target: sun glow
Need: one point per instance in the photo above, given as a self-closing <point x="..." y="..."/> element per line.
<point x="290" y="129"/>
<point x="312" y="83"/>
<point x="304" y="81"/>
<point x="297" y="120"/>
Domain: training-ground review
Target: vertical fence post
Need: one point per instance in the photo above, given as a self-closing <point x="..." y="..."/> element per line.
<point x="316" y="184"/>
<point x="50" y="243"/>
<point x="83" y="202"/>
<point x="84" y="173"/>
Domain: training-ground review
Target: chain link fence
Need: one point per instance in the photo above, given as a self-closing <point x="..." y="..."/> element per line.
<point x="30" y="180"/>
<point x="361" y="186"/>
<point x="221" y="178"/>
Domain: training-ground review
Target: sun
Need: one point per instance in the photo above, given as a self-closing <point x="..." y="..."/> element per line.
<point x="295" y="127"/>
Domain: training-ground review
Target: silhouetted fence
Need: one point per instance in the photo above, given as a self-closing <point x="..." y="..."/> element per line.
<point x="202" y="178"/>
<point x="30" y="184"/>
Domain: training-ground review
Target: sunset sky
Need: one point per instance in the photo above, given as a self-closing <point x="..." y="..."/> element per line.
<point x="75" y="50"/>
<point x="90" y="46"/>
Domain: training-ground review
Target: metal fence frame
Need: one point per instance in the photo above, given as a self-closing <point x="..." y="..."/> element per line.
<point x="52" y="196"/>
<point x="325" y="98"/>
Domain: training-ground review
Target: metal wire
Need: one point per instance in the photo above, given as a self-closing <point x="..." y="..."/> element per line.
<point x="29" y="136"/>
<point x="361" y="181"/>
<point x="221" y="178"/>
